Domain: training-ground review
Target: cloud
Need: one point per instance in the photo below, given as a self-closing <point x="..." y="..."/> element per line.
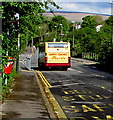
<point x="85" y="7"/>
<point x="82" y="0"/>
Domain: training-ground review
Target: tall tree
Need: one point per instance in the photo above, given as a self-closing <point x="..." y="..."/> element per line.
<point x="60" y="25"/>
<point x="89" y="21"/>
<point x="30" y="15"/>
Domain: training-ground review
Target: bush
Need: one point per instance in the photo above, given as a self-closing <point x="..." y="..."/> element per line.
<point x="6" y="87"/>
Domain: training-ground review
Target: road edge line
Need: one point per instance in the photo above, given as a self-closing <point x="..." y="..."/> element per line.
<point x="53" y="107"/>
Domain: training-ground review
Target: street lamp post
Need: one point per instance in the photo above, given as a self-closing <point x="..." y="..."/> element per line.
<point x="41" y="34"/>
<point x="61" y="31"/>
<point x="17" y="59"/>
<point x="112" y="14"/>
<point x="56" y="32"/>
<point x="73" y="32"/>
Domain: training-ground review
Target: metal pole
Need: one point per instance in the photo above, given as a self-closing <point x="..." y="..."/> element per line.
<point x="56" y="32"/>
<point x="32" y="45"/>
<point x="17" y="59"/>
<point x="61" y="31"/>
<point x="73" y="32"/>
<point x="41" y="34"/>
<point x="73" y="35"/>
<point x="17" y="64"/>
<point x="112" y="15"/>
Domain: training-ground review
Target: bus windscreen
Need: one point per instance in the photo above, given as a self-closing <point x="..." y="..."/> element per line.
<point x="57" y="45"/>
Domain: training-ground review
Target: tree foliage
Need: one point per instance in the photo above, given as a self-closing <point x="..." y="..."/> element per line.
<point x="60" y="25"/>
<point x="25" y="27"/>
<point x="109" y="21"/>
<point x="89" y="21"/>
<point x="88" y="39"/>
<point x="20" y="25"/>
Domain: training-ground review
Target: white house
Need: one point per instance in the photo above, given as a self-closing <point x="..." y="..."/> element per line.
<point x="98" y="27"/>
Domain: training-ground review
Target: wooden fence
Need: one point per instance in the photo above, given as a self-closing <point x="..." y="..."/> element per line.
<point x="92" y="56"/>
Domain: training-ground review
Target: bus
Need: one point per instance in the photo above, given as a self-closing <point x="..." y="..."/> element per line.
<point x="55" y="55"/>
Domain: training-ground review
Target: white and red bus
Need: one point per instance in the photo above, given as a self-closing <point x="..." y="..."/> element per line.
<point x="55" y="54"/>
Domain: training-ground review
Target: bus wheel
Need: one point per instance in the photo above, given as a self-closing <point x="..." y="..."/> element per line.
<point x="64" y="68"/>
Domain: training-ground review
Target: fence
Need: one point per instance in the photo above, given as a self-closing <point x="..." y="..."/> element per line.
<point x="92" y="56"/>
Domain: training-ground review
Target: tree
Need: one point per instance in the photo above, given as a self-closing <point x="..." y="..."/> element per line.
<point x="86" y="37"/>
<point x="30" y="15"/>
<point x="106" y="48"/>
<point x="98" y="19"/>
<point x="109" y="21"/>
<point x="89" y="21"/>
<point x="20" y="29"/>
<point x="59" y="24"/>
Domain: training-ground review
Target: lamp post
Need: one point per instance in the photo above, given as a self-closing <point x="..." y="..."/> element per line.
<point x="73" y="32"/>
<point x="56" y="32"/>
<point x="61" y="32"/>
<point x="41" y="34"/>
<point x="112" y="15"/>
<point x="17" y="59"/>
<point x="7" y="44"/>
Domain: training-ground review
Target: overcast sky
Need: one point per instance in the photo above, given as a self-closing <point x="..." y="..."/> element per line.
<point x="91" y="6"/>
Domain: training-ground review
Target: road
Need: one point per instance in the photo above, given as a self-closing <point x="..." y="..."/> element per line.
<point x="83" y="92"/>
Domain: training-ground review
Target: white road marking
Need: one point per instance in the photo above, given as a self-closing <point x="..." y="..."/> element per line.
<point x="110" y="91"/>
<point x="73" y="84"/>
<point x="71" y="69"/>
<point x="83" y="102"/>
<point x="97" y="75"/>
<point x="79" y="71"/>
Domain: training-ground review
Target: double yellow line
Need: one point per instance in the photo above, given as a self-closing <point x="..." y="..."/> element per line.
<point x="44" y="79"/>
<point x="54" y="109"/>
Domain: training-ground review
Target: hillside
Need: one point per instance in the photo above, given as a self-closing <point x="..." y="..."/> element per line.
<point x="75" y="16"/>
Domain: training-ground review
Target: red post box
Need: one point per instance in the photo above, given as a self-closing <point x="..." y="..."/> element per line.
<point x="8" y="67"/>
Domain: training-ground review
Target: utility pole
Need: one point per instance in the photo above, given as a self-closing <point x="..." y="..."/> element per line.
<point x="61" y="32"/>
<point x="56" y="32"/>
<point x="17" y="59"/>
<point x="112" y="15"/>
<point x="73" y="32"/>
<point x="32" y="45"/>
<point x="41" y="37"/>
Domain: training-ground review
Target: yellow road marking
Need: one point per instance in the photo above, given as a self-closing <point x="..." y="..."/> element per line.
<point x="81" y="96"/>
<point x="86" y="108"/>
<point x="109" y="117"/>
<point x="52" y="105"/>
<point x="102" y="87"/>
<point x="44" y="79"/>
<point x="97" y="118"/>
<point x="96" y="106"/>
<point x="111" y="105"/>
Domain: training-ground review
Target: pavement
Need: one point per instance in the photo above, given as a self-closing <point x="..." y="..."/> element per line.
<point x="25" y="100"/>
<point x="84" y="61"/>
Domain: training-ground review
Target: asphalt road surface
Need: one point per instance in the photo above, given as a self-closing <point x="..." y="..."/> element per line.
<point x="83" y="92"/>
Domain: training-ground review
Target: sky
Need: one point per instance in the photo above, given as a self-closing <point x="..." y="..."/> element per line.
<point x="90" y="6"/>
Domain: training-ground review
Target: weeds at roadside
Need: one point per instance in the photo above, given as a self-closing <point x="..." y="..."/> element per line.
<point x="7" y="86"/>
